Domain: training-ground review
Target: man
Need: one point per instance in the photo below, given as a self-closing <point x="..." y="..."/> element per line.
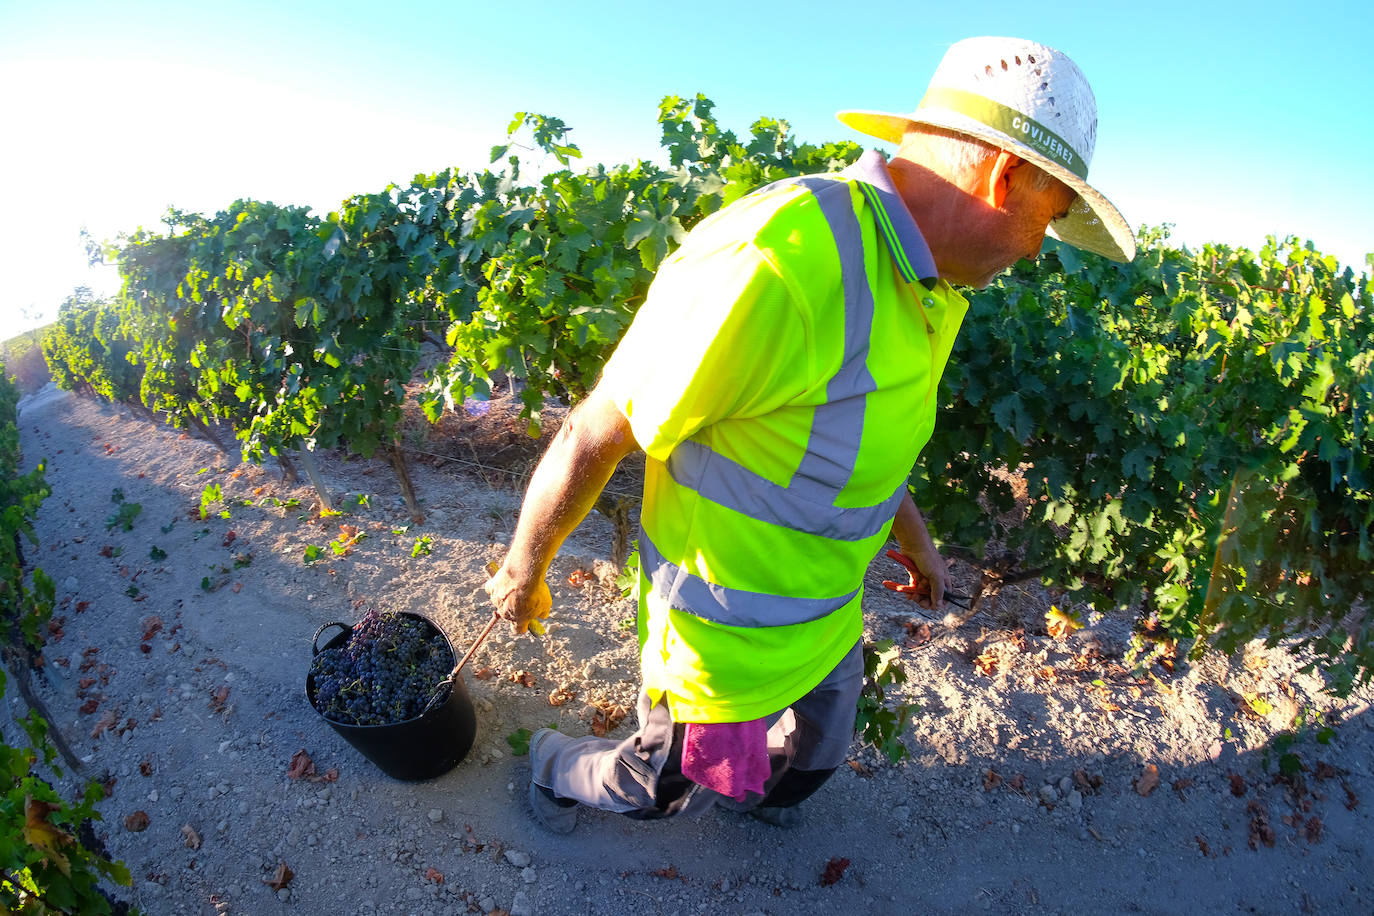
<point x="781" y="378"/>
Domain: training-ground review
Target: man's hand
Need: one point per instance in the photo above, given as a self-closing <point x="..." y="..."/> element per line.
<point x="521" y="598"/>
<point x="928" y="578"/>
<point x="562" y="491"/>
<point x="928" y="572"/>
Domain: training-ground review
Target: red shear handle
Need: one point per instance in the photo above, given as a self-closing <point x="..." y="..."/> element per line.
<point x="918" y="588"/>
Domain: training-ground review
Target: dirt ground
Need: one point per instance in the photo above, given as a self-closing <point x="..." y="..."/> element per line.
<point x="1043" y="777"/>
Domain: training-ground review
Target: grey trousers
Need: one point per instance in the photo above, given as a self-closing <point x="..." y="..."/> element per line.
<point x="641" y="776"/>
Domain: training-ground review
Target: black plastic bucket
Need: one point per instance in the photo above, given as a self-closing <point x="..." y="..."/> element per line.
<point x="424" y="747"/>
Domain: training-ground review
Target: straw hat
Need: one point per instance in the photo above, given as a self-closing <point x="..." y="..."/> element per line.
<point x="1029" y="100"/>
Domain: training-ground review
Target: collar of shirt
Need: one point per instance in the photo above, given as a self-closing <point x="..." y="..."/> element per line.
<point x="909" y="249"/>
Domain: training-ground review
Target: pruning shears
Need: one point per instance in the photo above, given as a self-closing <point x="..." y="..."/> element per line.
<point x="919" y="587"/>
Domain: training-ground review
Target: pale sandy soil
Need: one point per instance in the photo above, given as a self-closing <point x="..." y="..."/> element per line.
<point x="1024" y="792"/>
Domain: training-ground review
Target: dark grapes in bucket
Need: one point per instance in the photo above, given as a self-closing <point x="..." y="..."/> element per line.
<point x="386" y="672"/>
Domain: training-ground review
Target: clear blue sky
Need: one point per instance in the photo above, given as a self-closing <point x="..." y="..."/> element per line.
<point x="1229" y="120"/>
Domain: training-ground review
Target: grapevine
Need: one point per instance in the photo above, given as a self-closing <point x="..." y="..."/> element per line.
<point x="45" y="865"/>
<point x="1186" y="435"/>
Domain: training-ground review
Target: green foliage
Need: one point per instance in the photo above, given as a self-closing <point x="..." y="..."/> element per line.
<point x="352" y="504"/>
<point x="627" y="580"/>
<point x="519" y="741"/>
<point x="123" y="517"/>
<point x="1192" y="431"/>
<point x="44" y="867"/>
<point x="23" y="612"/>
<point x="21" y="358"/>
<point x="1192" y="428"/>
<point x="423" y="545"/>
<point x="312" y="553"/>
<point x="260" y="315"/>
<point x="211" y="494"/>
<point x="88" y="351"/>
<point x="879" y="724"/>
<point x="551" y="274"/>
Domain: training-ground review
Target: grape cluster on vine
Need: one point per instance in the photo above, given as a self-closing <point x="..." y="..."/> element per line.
<point x="385" y="672"/>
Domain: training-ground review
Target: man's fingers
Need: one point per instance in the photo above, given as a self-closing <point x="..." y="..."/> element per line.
<point x="912" y="589"/>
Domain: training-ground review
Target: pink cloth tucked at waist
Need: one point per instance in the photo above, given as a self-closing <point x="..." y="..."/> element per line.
<point x="727" y="757"/>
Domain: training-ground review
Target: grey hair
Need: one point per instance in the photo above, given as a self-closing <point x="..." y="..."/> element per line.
<point x="954" y="152"/>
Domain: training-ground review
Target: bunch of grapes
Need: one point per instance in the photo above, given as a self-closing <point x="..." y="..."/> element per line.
<point x="386" y="672"/>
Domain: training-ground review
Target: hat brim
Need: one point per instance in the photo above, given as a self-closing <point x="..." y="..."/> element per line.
<point x="1093" y="224"/>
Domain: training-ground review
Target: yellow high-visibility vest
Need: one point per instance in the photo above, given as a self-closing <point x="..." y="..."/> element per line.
<point x="782" y="379"/>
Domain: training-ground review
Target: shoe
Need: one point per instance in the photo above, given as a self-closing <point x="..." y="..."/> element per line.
<point x="558" y="815"/>
<point x="778" y="817"/>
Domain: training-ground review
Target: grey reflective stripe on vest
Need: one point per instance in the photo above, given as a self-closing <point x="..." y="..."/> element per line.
<point x="724" y="481"/>
<point x="732" y="606"/>
<point x="807" y="503"/>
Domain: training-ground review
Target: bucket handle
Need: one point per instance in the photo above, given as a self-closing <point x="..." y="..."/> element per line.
<point x="458" y="668"/>
<point x="324" y="626"/>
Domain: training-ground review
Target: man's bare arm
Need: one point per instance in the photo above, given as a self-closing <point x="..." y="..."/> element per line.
<point x="914" y="541"/>
<point x="565" y="485"/>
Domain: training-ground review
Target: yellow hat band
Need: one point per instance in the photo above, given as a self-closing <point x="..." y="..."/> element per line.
<point x="1010" y="122"/>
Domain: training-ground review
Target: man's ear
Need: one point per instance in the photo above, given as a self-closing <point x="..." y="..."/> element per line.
<point x="995" y="180"/>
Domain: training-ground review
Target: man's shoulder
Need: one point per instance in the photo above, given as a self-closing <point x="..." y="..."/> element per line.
<point x="784" y="220"/>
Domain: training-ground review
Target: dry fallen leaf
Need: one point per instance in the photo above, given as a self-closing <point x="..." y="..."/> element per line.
<point x="1148" y="780"/>
<point x="834" y="871"/>
<point x="219" y="697"/>
<point x="861" y="769"/>
<point x="42" y="834"/>
<point x="986" y="663"/>
<point x="192" y="838"/>
<point x="301" y="765"/>
<point x="136" y="822"/>
<point x="484" y="673"/>
<point x="1237" y="785"/>
<point x="607" y="718"/>
<point x="522" y="677"/>
<point x="1061" y="623"/>
<point x="991" y="780"/>
<point x="280" y="878"/>
<point x="1313" y="829"/>
<point x="562" y="695"/>
<point x="1260" y="830"/>
<point x="1180" y="784"/>
<point x="152" y="625"/>
<point x="917" y="634"/>
<point x="108" y="719"/>
<point x="1202" y="845"/>
<point x="433" y="876"/>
